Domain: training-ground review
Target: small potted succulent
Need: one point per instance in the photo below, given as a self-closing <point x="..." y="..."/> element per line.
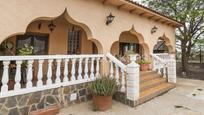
<point x="144" y="64"/>
<point x="103" y="90"/>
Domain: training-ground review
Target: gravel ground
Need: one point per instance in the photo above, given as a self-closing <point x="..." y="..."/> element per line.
<point x="186" y="99"/>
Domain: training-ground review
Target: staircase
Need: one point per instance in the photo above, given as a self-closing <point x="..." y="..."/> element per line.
<point x="152" y="85"/>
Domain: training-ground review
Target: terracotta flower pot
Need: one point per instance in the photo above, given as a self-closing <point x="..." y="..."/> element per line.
<point x="144" y="67"/>
<point x="102" y="103"/>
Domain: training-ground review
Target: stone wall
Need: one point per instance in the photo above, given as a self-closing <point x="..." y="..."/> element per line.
<point x="23" y="104"/>
<point x="121" y="97"/>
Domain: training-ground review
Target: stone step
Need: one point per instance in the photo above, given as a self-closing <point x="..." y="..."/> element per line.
<point x="151" y="83"/>
<point x="153" y="92"/>
<point x="149" y="77"/>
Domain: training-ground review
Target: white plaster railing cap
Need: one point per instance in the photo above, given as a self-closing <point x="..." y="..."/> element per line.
<point x="116" y="61"/>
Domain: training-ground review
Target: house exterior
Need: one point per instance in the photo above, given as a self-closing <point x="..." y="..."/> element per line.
<point x="74" y="42"/>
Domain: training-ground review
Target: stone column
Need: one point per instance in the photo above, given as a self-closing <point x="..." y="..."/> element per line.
<point x="132" y="79"/>
<point x="104" y="67"/>
<point x="171" y="69"/>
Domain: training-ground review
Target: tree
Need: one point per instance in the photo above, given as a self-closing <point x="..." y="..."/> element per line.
<point x="191" y="14"/>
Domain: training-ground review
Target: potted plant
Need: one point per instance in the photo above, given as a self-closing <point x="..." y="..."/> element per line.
<point x="25" y="50"/>
<point x="144" y="64"/>
<point x="103" y="90"/>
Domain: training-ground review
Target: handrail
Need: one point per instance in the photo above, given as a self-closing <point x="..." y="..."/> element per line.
<point x="116" y="61"/>
<point x="161" y="54"/>
<point x="158" y="58"/>
<point x="41" y="57"/>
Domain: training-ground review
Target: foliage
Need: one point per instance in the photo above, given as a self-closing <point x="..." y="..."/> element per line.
<point x="26" y="50"/>
<point x="104" y="86"/>
<point x="6" y="47"/>
<point x="191" y="14"/>
<point x="143" y="61"/>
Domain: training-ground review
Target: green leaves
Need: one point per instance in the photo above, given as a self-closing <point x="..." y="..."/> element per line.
<point x="103" y="86"/>
<point x="26" y="50"/>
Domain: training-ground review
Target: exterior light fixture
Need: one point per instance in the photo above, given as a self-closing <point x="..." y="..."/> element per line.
<point x="51" y="26"/>
<point x="109" y="19"/>
<point x="154" y="29"/>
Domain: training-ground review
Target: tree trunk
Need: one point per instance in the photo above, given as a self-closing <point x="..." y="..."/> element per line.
<point x="184" y="59"/>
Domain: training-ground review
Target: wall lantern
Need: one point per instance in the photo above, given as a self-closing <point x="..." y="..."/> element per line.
<point x="154" y="29"/>
<point x="109" y="19"/>
<point x="51" y="26"/>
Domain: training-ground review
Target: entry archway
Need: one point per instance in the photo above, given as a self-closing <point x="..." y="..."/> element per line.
<point x="130" y="41"/>
<point x="163" y="45"/>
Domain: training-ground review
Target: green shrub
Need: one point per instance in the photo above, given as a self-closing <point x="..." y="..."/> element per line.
<point x="104" y="86"/>
<point x="144" y="61"/>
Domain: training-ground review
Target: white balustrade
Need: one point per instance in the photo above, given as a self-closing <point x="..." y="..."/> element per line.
<point x="29" y="75"/>
<point x="40" y="73"/>
<point x="111" y="69"/>
<point x="97" y="68"/>
<point x="49" y="72"/>
<point x="92" y="69"/>
<point x="47" y="83"/>
<point x="66" y="70"/>
<point x="5" y="77"/>
<point x="86" y="76"/>
<point x="58" y="72"/>
<point x="73" y="78"/>
<point x="117" y="74"/>
<point x="80" y="69"/>
<point x="122" y="81"/>
<point x="17" y="85"/>
<point x="165" y="63"/>
<point x="120" y="71"/>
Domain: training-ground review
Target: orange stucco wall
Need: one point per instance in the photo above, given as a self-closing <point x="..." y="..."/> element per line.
<point x="58" y="39"/>
<point x="91" y="15"/>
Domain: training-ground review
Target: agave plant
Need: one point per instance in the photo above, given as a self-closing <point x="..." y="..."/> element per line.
<point x="104" y="86"/>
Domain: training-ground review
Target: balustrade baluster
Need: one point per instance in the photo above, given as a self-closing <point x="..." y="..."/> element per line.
<point x="73" y="78"/>
<point x="66" y="71"/>
<point x="159" y="68"/>
<point x="49" y="72"/>
<point x="17" y="85"/>
<point x="86" y="69"/>
<point x="97" y="68"/>
<point x="5" y="77"/>
<point x="40" y="73"/>
<point x="80" y="69"/>
<point x="111" y="69"/>
<point x="117" y="74"/>
<point x="122" y="81"/>
<point x="164" y="71"/>
<point x="29" y="75"/>
<point x="58" y="72"/>
<point x="92" y="68"/>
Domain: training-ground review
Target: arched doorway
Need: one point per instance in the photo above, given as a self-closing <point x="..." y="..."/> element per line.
<point x="162" y="46"/>
<point x="129" y="41"/>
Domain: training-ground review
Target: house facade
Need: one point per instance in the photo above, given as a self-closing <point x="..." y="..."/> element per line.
<point x="75" y="41"/>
